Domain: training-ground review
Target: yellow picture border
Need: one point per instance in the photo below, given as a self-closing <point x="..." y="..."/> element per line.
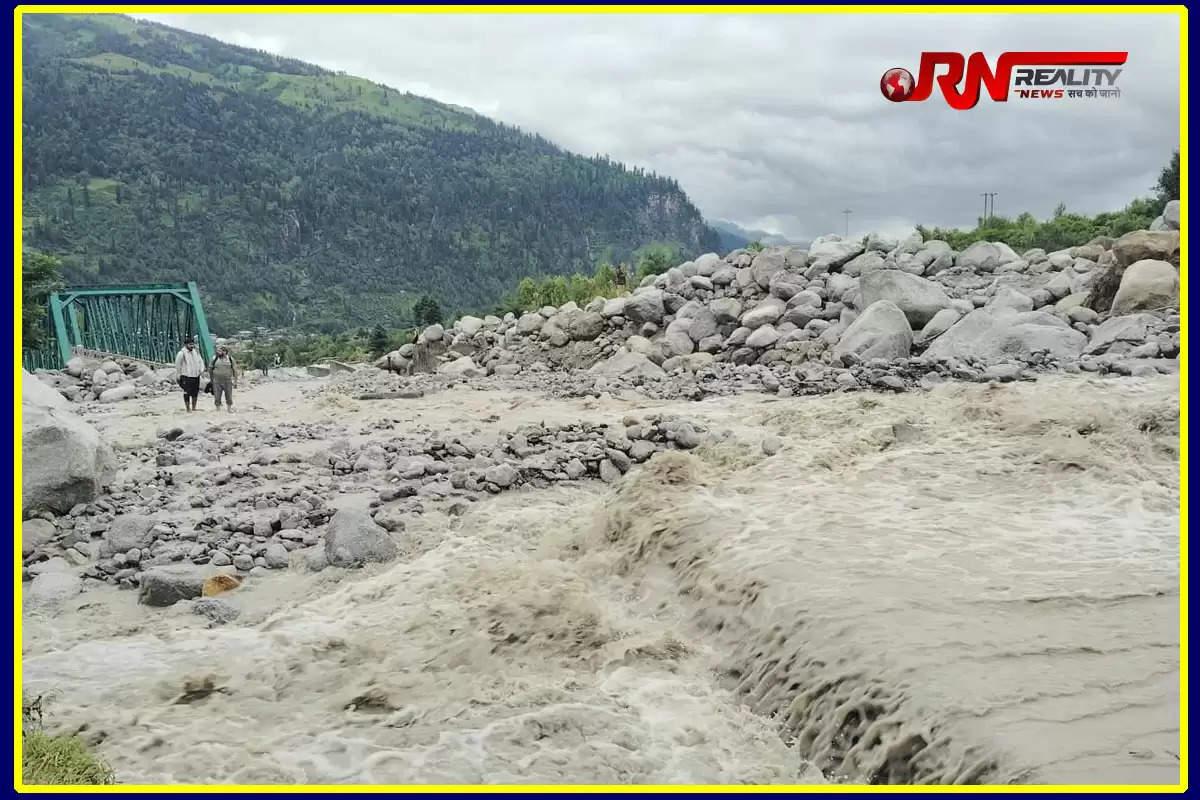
<point x="19" y="11"/>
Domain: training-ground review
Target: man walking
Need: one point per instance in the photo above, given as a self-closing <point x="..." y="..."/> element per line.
<point x="223" y="374"/>
<point x="188" y="366"/>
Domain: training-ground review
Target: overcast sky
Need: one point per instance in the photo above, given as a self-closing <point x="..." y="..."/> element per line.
<point x="777" y="121"/>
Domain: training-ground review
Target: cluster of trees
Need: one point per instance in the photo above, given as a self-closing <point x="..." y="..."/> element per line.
<point x="427" y="311"/>
<point x="41" y="275"/>
<point x="297" y="210"/>
<point x="1065" y="229"/>
<point x="606" y="280"/>
<point x="302" y="349"/>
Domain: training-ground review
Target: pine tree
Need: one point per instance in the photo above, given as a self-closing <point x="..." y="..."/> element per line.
<point x="379" y="341"/>
<point x="427" y="312"/>
<point x="1168" y="180"/>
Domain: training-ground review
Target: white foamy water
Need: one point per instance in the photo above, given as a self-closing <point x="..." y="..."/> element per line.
<point x="971" y="584"/>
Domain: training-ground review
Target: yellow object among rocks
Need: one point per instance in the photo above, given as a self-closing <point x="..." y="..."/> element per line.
<point x="219" y="584"/>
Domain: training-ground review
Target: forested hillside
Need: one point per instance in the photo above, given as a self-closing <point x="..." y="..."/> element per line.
<point x="298" y="196"/>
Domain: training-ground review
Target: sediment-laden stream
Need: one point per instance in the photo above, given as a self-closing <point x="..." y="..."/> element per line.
<point x="971" y="583"/>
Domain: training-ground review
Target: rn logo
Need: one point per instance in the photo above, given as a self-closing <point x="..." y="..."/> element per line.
<point x="1055" y="76"/>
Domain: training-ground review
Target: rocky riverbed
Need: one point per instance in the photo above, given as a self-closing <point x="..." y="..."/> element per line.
<point x="927" y="585"/>
<point x="915" y="532"/>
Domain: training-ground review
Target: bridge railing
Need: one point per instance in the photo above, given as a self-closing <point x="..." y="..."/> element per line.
<point x="41" y="358"/>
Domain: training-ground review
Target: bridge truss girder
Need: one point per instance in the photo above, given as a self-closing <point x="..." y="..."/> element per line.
<point x="148" y="322"/>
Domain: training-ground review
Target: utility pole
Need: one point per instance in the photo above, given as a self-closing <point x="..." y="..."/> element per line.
<point x="989" y="210"/>
<point x="847" y="212"/>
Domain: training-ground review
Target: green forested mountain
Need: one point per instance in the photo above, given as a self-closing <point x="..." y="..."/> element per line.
<point x="299" y="196"/>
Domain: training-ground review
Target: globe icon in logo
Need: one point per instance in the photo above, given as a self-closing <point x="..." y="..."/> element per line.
<point x="897" y="84"/>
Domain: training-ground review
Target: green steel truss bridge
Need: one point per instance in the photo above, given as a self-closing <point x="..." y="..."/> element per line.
<point x="147" y="322"/>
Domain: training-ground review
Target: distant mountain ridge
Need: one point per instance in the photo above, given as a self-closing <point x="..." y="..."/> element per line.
<point x="297" y="195"/>
<point x="734" y="235"/>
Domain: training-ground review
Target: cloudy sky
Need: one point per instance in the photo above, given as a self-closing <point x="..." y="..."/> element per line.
<point x="776" y="121"/>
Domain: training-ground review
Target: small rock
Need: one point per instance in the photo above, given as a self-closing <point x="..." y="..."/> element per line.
<point x="216" y="610"/>
<point x="609" y="471"/>
<point x="276" y="556"/>
<point x="503" y="475"/>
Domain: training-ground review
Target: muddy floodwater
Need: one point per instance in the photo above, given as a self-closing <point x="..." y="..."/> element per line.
<point x="969" y="584"/>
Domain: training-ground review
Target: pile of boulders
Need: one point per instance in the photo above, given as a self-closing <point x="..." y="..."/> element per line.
<point x="245" y="498"/>
<point x="109" y="381"/>
<point x="825" y="311"/>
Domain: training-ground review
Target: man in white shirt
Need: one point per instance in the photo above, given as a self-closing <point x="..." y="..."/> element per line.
<point x="188" y="367"/>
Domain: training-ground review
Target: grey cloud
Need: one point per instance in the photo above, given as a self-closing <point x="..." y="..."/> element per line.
<point x="776" y="120"/>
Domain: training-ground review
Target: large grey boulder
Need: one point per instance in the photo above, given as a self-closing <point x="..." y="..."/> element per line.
<point x="763" y="337"/>
<point x="117" y="393"/>
<point x="1147" y="284"/>
<point x="79" y="365"/>
<point x="831" y="252"/>
<point x="1008" y="297"/>
<point x="129" y="531"/>
<point x="724" y="276"/>
<point x="704" y="324"/>
<point x="1132" y="247"/>
<point x="707" y="264"/>
<point x="628" y="364"/>
<point x="765" y="313"/>
<point x="35" y="392"/>
<point x="64" y="460"/>
<point x="1171" y="215"/>
<point x="881" y="242"/>
<point x="726" y="309"/>
<point x="1131" y="330"/>
<point x="993" y="334"/>
<point x="463" y="367"/>
<point x="354" y="539"/>
<point x="645" y="347"/>
<point x="530" y="323"/>
<point x="586" y="326"/>
<point x="470" y="325"/>
<point x="935" y="255"/>
<point x="765" y="265"/>
<point x="881" y="331"/>
<point x="613" y="308"/>
<point x="941" y="322"/>
<point x="918" y="298"/>
<point x="785" y="285"/>
<point x="1141" y="245"/>
<point x="167" y="585"/>
<point x="645" y="305"/>
<point x="861" y="265"/>
<point x="35" y="533"/>
<point x="984" y="257"/>
<point x="678" y="339"/>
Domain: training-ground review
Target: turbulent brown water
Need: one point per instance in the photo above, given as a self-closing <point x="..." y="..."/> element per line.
<point x="971" y="584"/>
